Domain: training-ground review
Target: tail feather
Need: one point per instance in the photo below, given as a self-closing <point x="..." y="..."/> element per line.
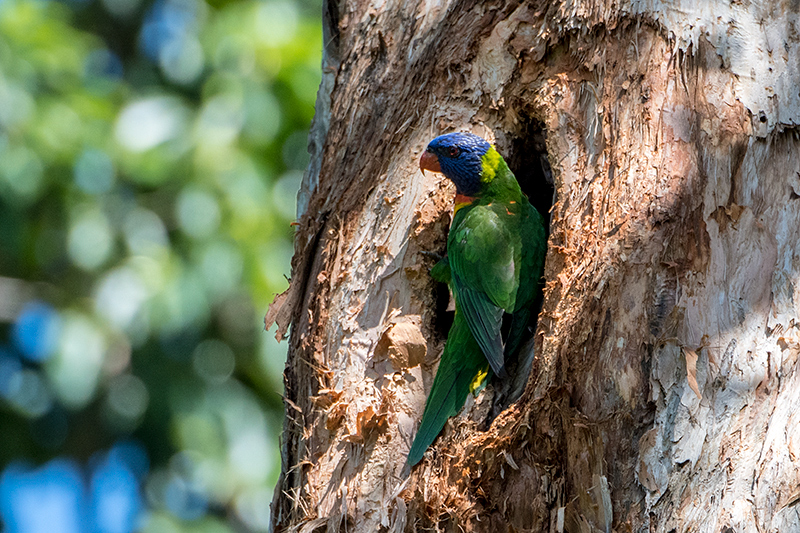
<point x="519" y="323"/>
<point x="437" y="411"/>
<point x="462" y="360"/>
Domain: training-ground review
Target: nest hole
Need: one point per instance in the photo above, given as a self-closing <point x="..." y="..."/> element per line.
<point x="528" y="160"/>
<point x="526" y="156"/>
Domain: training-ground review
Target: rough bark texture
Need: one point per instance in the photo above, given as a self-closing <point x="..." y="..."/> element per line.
<point x="665" y="387"/>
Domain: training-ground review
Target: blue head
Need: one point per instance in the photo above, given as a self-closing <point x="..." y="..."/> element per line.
<point x="458" y="157"/>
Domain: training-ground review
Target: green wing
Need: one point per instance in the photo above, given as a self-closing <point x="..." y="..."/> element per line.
<point x="462" y="361"/>
<point x="484" y="255"/>
<point x="534" y="247"/>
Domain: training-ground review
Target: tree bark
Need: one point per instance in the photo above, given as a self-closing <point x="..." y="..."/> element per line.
<point x="664" y="389"/>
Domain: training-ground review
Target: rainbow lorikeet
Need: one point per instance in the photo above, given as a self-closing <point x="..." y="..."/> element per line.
<point x="495" y="253"/>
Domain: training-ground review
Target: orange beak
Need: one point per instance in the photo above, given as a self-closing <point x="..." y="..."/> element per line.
<point x="429" y="161"/>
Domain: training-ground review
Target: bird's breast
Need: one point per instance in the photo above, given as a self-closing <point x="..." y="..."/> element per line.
<point x="462" y="200"/>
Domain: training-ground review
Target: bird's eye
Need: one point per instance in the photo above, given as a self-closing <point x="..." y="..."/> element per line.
<point x="454" y="151"/>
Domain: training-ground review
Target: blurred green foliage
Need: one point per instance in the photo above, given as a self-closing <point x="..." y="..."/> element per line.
<point x="150" y="154"/>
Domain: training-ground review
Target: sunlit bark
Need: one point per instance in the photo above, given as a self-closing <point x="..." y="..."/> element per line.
<point x="665" y="385"/>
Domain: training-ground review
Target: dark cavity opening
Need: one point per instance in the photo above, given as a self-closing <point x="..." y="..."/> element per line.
<point x="525" y="151"/>
<point x="526" y="156"/>
<point x="443" y="318"/>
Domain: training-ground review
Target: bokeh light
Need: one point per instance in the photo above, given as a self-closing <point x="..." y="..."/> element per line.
<point x="94" y="171"/>
<point x="36" y="331"/>
<point x="90" y="239"/>
<point x="48" y="499"/>
<point x="150" y="157"/>
<point x="146" y="123"/>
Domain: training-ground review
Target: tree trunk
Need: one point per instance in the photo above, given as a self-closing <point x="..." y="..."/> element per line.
<point x="664" y="390"/>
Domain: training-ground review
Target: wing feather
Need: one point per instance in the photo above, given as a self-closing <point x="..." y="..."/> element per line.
<point x="483" y="259"/>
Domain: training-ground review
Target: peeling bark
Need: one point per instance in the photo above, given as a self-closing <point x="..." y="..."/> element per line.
<point x="664" y="388"/>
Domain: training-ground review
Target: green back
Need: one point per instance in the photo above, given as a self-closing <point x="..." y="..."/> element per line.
<point x="496" y="250"/>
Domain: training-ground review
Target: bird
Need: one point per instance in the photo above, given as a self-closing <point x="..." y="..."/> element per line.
<point x="495" y="254"/>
